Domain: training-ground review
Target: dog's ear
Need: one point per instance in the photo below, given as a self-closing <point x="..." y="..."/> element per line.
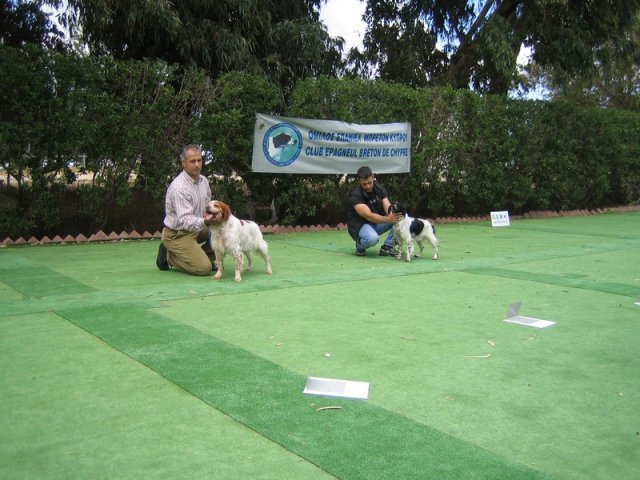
<point x="225" y="210"/>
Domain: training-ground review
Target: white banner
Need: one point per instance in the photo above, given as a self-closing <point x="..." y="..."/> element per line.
<point x="300" y="145"/>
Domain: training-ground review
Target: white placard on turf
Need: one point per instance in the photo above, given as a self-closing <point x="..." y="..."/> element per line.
<point x="513" y="317"/>
<point x="332" y="387"/>
<point x="500" y="219"/>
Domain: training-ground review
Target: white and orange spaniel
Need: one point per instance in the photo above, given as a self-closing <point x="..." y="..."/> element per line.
<point x="237" y="237"/>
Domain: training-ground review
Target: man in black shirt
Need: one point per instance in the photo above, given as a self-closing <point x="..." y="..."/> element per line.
<point x="367" y="217"/>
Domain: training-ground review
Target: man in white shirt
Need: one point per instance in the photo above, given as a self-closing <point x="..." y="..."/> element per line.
<point x="186" y="221"/>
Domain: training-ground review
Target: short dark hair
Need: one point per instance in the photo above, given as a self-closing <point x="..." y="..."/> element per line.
<point x="364" y="172"/>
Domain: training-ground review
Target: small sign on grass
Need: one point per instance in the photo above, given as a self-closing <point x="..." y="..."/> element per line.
<point x="500" y="219"/>
<point x="333" y="387"/>
<point x="513" y="317"/>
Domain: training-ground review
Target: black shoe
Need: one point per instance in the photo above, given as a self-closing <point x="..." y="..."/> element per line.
<point x="387" y="251"/>
<point x="161" y="260"/>
<point x="360" y="252"/>
<point x="207" y="249"/>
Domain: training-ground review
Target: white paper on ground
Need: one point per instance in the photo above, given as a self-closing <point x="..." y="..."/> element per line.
<point x="333" y="387"/>
<point x="513" y="317"/>
<point x="530" y="322"/>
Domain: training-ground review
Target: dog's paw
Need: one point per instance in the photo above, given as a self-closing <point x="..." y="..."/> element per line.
<point x="217" y="275"/>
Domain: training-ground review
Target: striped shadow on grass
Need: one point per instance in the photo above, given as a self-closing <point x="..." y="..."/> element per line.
<point x="359" y="440"/>
<point x="576" y="281"/>
<point x="35" y="281"/>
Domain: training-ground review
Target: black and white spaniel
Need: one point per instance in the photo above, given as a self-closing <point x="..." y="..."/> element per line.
<point x="409" y="229"/>
<point x="237" y="237"/>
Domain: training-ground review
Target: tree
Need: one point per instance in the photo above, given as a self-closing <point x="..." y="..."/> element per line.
<point x="23" y="22"/>
<point x="614" y="80"/>
<point x="397" y="46"/>
<point x="476" y="43"/>
<point x="284" y="39"/>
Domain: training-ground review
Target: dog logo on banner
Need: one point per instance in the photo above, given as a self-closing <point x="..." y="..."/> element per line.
<point x="282" y="144"/>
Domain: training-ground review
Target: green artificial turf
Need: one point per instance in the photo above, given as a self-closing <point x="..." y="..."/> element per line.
<point x="35" y="281"/>
<point x="73" y="407"/>
<point x="113" y="369"/>
<point x="361" y="441"/>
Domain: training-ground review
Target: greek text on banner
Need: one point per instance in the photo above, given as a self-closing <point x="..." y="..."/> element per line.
<point x="300" y="145"/>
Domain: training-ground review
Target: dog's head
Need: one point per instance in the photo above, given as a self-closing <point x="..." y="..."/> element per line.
<point x="220" y="210"/>
<point x="397" y="207"/>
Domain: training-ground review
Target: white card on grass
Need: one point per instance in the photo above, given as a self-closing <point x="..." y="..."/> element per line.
<point x="333" y="387"/>
<point x="513" y="317"/>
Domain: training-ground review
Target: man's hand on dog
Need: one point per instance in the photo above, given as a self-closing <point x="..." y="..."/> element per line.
<point x="395" y="217"/>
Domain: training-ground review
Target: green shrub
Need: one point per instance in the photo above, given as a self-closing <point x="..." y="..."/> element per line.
<point x="128" y="120"/>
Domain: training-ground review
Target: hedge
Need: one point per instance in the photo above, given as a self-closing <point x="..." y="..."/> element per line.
<point x="470" y="155"/>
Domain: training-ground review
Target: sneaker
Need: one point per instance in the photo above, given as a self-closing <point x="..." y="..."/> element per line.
<point x="360" y="252"/>
<point x="161" y="260"/>
<point x="387" y="251"/>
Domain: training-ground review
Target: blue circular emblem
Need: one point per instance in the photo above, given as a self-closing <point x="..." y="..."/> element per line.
<point x="282" y="144"/>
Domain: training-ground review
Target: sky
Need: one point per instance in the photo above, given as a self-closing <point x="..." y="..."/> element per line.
<point x="344" y="18"/>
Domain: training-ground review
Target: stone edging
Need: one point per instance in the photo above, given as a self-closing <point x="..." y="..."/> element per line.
<point x="100" y="236"/>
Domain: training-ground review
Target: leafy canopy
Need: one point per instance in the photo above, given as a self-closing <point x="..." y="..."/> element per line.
<point x="283" y="39"/>
<point x="476" y="43"/>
